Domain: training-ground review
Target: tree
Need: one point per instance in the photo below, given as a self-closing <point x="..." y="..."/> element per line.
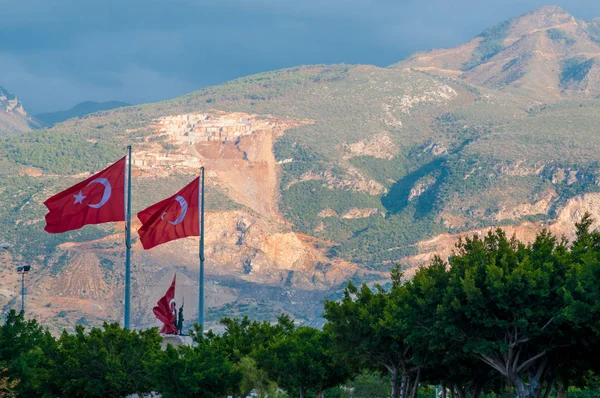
<point x="28" y="352"/>
<point x="504" y="303"/>
<point x="412" y="313"/>
<point x="579" y="358"/>
<point x="303" y="361"/>
<point x="107" y="362"/>
<point x="362" y="335"/>
<point x="241" y="341"/>
<point x="242" y="337"/>
<point x="197" y="371"/>
<point x="254" y="378"/>
<point x="370" y="384"/>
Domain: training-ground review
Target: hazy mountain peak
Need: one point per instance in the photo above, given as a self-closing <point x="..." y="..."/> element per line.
<point x="547" y="52"/>
<point x="13" y="118"/>
<point x="548" y="11"/>
<point x="10" y="103"/>
<point x="540" y="19"/>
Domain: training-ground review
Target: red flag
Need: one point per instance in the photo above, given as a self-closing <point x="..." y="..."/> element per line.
<point x="165" y="310"/>
<point x="97" y="200"/>
<point x="173" y="218"/>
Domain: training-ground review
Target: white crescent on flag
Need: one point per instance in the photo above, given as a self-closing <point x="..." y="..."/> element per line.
<point x="105" y="195"/>
<point x="184" y="207"/>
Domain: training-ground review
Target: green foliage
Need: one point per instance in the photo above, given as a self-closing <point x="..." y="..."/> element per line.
<point x="362" y="337"/>
<point x="243" y="336"/>
<point x="107" y="362"/>
<point x="574" y="70"/>
<point x="492" y="42"/>
<point x="370" y="384"/>
<point x="502" y="318"/>
<point x="193" y="372"/>
<point x="302" y="360"/>
<point x="62" y="153"/>
<point x="253" y="378"/>
<point x="303" y="201"/>
<point x="28" y="353"/>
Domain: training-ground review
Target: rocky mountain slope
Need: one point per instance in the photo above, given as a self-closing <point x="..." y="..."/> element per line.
<point x="319" y="174"/>
<point x="547" y="54"/>
<point x="13" y="118"/>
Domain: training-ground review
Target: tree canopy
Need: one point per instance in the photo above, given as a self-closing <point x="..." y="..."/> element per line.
<point x="501" y="316"/>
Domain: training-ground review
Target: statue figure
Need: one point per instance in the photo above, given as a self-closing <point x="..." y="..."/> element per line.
<point x="180" y="321"/>
<point x="175" y="316"/>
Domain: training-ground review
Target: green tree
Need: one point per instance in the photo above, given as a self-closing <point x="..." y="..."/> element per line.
<point x="242" y="337"/>
<point x="413" y="313"/>
<point x="240" y="342"/>
<point x="362" y="335"/>
<point x="504" y="303"/>
<point x="579" y="358"/>
<point x="254" y="378"/>
<point x="198" y="371"/>
<point x="28" y="352"/>
<point x="107" y="362"/>
<point x="303" y="361"/>
<point x="370" y="384"/>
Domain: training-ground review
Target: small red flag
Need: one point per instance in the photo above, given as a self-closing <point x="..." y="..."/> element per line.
<point x="165" y="310"/>
<point x="170" y="219"/>
<point x="99" y="199"/>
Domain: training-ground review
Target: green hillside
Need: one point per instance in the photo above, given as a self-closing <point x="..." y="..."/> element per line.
<point x="480" y="132"/>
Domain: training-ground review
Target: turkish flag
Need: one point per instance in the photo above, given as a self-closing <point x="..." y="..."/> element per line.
<point x="165" y="310"/>
<point x="173" y="218"/>
<point x="99" y="199"/>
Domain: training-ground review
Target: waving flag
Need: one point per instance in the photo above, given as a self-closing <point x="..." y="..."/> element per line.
<point x="165" y="310"/>
<point x="97" y="200"/>
<point x="173" y="218"/>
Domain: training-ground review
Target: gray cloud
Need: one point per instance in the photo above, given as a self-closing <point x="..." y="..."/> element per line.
<point x="55" y="53"/>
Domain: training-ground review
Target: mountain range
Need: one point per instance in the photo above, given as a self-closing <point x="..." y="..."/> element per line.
<point x="79" y="110"/>
<point x="319" y="174"/>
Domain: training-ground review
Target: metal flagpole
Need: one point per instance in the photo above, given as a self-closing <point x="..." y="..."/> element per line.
<point x="23" y="293"/>
<point x="128" y="240"/>
<point x="201" y="250"/>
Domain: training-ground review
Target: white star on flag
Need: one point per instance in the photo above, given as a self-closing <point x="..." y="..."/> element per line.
<point x="78" y="198"/>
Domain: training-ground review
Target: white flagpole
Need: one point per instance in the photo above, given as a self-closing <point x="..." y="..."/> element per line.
<point x="201" y="249"/>
<point x="126" y="313"/>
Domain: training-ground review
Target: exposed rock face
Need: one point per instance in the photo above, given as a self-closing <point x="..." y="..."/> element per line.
<point x="237" y="148"/>
<point x="327" y="213"/>
<point x="564" y="225"/>
<point x="380" y="146"/>
<point x="353" y="181"/>
<point x="442" y="94"/>
<point x="574" y="210"/>
<point x="528" y="209"/>
<point x="10" y="104"/>
<point x="420" y="187"/>
<point x="360" y="213"/>
<point x="13" y="118"/>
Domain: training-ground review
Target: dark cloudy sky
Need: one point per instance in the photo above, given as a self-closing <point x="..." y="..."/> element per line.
<point x="56" y="53"/>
